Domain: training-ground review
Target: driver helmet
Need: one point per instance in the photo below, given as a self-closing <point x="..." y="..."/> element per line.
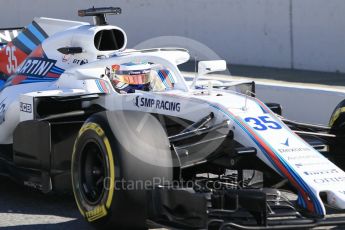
<point x="128" y="77"/>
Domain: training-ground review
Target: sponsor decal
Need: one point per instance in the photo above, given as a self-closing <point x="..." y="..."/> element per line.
<point x="12" y="61"/>
<point x="262" y="123"/>
<point x="66" y="57"/>
<point x="299" y="165"/>
<point x="25" y="107"/>
<point x="286" y="143"/>
<point x="96" y="213"/>
<point x="37" y="67"/>
<point x="157" y="104"/>
<point x="321" y="172"/>
<point x="2" y="108"/>
<point x="2" y="105"/>
<point x="2" y="111"/>
<point x="294" y="150"/>
<point x="8" y="35"/>
<point x="80" y="62"/>
<point x="329" y="180"/>
<point x="301" y="157"/>
<point x="33" y="185"/>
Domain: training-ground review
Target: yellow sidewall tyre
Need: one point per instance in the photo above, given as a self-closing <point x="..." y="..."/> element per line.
<point x="337" y="120"/>
<point x="337" y="125"/>
<point x="109" y="148"/>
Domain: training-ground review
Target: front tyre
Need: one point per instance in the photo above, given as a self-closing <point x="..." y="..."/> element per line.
<point x="337" y="125"/>
<point x="114" y="164"/>
<point x="337" y="120"/>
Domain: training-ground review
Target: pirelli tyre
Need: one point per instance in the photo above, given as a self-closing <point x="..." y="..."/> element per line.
<point x="337" y="124"/>
<point x="117" y="157"/>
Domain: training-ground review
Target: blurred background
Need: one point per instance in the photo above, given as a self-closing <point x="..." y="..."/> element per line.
<point x="290" y="34"/>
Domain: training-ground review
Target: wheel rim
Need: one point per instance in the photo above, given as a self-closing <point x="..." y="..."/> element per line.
<point x="93" y="172"/>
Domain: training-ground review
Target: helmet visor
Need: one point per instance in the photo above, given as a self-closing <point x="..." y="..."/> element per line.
<point x="132" y="77"/>
<point x="138" y="79"/>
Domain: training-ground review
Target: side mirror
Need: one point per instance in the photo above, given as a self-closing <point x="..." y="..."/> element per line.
<point x="205" y="67"/>
<point x="70" y="50"/>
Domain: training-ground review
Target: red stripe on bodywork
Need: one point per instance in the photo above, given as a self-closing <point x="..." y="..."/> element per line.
<point x="104" y="87"/>
<point x="18" y="79"/>
<point x="53" y="75"/>
<point x="167" y="79"/>
<point x="38" y="52"/>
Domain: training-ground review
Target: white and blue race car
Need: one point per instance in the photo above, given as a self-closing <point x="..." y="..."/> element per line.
<point x="142" y="147"/>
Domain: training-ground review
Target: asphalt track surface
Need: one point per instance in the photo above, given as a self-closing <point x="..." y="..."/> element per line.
<point x="22" y="208"/>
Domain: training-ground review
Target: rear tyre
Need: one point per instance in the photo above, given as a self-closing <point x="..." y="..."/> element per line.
<point x="117" y="157"/>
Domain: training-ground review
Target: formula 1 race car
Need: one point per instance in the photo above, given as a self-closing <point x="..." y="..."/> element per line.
<point x="141" y="146"/>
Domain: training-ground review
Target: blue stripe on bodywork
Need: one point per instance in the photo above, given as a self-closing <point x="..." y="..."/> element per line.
<point x="36" y="81"/>
<point x="99" y="86"/>
<point x="37" y="33"/>
<point x="55" y="68"/>
<point x="56" y="72"/>
<point x="2" y="83"/>
<point x="26" y="41"/>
